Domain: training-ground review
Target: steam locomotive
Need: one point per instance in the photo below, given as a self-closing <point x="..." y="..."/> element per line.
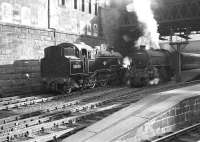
<point x="149" y="67"/>
<point x="68" y="66"/>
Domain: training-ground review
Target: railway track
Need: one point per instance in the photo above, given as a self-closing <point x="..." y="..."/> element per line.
<point x="43" y="114"/>
<point x="189" y="134"/>
<point x="47" y="121"/>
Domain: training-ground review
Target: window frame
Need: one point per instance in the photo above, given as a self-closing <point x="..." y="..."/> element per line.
<point x="83" y="6"/>
<point x="90" y="6"/>
<point x="62" y="3"/>
<point x="75" y="4"/>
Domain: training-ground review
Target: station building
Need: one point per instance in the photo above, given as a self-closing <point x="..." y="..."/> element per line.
<point x="27" y="27"/>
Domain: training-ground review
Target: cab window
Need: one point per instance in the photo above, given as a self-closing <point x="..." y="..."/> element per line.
<point x="89" y="55"/>
<point x="71" y="51"/>
<point x="84" y="52"/>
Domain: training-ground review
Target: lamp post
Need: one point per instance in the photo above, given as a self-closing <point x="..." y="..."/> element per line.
<point x="177" y="46"/>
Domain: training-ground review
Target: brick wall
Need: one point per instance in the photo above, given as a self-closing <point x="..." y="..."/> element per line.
<point x="184" y="114"/>
<point x="18" y="43"/>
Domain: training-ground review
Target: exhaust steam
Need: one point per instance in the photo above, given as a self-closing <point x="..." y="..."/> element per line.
<point x="143" y="10"/>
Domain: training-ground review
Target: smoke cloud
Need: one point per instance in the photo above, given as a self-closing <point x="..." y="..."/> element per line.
<point x="150" y="37"/>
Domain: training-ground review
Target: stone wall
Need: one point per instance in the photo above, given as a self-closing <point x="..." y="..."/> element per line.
<point x="19" y="78"/>
<point x="184" y="114"/>
<point x="24" y="12"/>
<point x="25" y="45"/>
<point x="64" y="17"/>
<point x="27" y="27"/>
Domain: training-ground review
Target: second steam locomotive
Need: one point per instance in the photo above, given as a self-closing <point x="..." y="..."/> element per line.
<point x="149" y="67"/>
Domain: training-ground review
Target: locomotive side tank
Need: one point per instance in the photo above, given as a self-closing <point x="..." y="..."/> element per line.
<point x="59" y="66"/>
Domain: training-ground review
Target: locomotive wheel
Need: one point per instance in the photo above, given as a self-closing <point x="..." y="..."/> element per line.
<point x="104" y="83"/>
<point x="92" y="83"/>
<point x="53" y="86"/>
<point x="67" y="89"/>
<point x="45" y="87"/>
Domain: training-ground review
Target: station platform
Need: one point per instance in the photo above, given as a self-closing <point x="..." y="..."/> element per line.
<point x="153" y="116"/>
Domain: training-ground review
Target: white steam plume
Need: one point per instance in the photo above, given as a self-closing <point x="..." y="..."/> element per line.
<point x="145" y="15"/>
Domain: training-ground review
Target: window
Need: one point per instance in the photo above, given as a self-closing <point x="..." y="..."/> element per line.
<point x="68" y="51"/>
<point x="89" y="55"/>
<point x="89" y="30"/>
<point x="95" y="30"/>
<point x="90" y="7"/>
<point x="96" y="8"/>
<point x="84" y="53"/>
<point x="83" y="5"/>
<point x="61" y="2"/>
<point x="75" y="4"/>
<point x="71" y="51"/>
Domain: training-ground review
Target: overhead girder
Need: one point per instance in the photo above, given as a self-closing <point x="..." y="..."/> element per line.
<point x="182" y="16"/>
<point x="173" y="16"/>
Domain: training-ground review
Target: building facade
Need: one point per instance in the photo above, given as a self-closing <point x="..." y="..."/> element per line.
<point x="27" y="27"/>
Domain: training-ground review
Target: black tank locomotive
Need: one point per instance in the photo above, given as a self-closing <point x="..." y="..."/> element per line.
<point x="70" y="66"/>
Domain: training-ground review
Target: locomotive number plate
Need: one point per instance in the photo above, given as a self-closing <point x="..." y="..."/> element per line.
<point x="77" y="66"/>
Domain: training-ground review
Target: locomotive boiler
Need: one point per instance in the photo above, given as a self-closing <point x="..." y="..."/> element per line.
<point x="150" y="67"/>
<point x="70" y="66"/>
